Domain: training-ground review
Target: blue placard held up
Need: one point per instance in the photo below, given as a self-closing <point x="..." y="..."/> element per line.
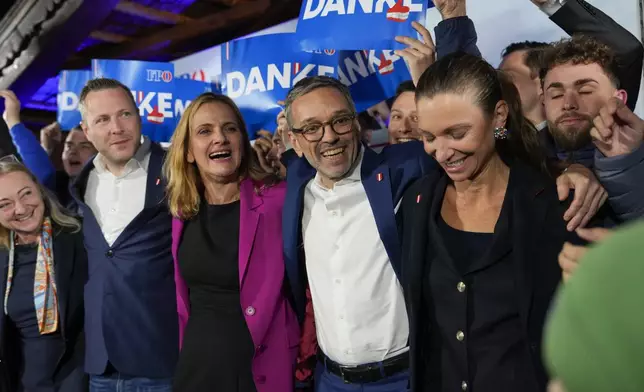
<point x="186" y="90"/>
<point x="152" y="85"/>
<point x="357" y="24"/>
<point x="70" y="85"/>
<point x="258" y="72"/>
<point x="372" y="76"/>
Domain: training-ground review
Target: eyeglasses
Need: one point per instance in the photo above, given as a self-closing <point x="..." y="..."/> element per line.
<point x="314" y="132"/>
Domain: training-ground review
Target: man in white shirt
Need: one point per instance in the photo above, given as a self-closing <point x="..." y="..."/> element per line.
<point x="341" y="239"/>
<point x="341" y="206"/>
<point x="131" y="323"/>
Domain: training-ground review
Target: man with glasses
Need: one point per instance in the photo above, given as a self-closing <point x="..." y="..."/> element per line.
<point x="341" y="238"/>
<point x="340" y="205"/>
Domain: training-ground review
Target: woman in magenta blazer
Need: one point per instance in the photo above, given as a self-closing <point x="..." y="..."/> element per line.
<point x="238" y="332"/>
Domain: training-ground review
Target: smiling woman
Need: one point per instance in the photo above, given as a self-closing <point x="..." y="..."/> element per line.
<point x="474" y="233"/>
<point x="45" y="264"/>
<point x="227" y="248"/>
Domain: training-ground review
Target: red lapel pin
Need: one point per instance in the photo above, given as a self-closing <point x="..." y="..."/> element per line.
<point x="158" y="181"/>
<point x="418" y="199"/>
<point x="379" y="177"/>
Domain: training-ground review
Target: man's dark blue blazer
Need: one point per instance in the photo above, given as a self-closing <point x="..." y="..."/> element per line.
<point x="385" y="177"/>
<point x="131" y="320"/>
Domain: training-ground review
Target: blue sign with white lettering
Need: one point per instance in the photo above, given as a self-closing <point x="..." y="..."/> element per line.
<point x="186" y="90"/>
<point x="152" y="85"/>
<point x="70" y="85"/>
<point x="372" y="76"/>
<point x="357" y="24"/>
<point x="258" y="72"/>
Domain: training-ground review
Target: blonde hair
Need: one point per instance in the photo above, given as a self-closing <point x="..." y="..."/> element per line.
<point x="59" y="215"/>
<point x="185" y="186"/>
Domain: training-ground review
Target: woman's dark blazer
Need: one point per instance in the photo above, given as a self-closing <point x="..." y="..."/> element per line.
<point x="70" y="267"/>
<point x="534" y="239"/>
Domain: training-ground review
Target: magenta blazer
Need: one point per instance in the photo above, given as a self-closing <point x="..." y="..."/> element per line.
<point x="272" y="322"/>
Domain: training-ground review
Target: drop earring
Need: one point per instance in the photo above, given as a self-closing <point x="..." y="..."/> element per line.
<point x="500" y="133"/>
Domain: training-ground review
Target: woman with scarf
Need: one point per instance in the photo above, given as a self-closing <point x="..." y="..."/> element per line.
<point x="44" y="266"/>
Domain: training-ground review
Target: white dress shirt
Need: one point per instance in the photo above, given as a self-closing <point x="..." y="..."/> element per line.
<point x="117" y="200"/>
<point x="360" y="312"/>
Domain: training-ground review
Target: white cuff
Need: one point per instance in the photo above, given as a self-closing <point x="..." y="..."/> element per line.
<point x="552" y="6"/>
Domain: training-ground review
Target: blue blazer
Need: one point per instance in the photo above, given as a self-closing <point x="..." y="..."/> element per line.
<point x="130" y="300"/>
<point x="399" y="166"/>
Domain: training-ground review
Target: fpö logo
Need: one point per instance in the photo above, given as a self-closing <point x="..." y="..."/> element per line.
<point x="328" y="52"/>
<point x="157" y="75"/>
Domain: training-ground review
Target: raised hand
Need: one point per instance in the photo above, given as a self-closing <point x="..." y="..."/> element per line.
<point x="11" y="113"/>
<point x="616" y="129"/>
<point x="50" y="137"/>
<point x="451" y="8"/>
<point x="419" y="55"/>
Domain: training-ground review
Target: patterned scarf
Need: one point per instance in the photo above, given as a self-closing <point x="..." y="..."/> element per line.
<point x="45" y="294"/>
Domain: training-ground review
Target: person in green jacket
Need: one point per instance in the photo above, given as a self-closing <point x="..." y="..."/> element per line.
<point x="594" y="338"/>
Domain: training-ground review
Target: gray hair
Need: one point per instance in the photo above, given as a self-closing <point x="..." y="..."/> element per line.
<point x="309" y="84"/>
<point x="100" y="84"/>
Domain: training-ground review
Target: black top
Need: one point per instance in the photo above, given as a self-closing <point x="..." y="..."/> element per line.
<point x="217" y="348"/>
<point x="38" y="354"/>
<point x="469" y="292"/>
<point x="507" y="292"/>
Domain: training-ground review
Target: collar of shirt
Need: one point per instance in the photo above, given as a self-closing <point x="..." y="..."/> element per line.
<point x="139" y="160"/>
<point x="541" y="126"/>
<point x="354" y="175"/>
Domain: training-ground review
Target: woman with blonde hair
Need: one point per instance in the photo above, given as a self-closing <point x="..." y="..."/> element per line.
<point x="44" y="262"/>
<point x="238" y="332"/>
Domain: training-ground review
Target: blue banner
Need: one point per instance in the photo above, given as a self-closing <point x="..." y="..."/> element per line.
<point x="357" y="24"/>
<point x="70" y="85"/>
<point x="152" y="86"/>
<point x="372" y="76"/>
<point x="186" y="90"/>
<point x="258" y="72"/>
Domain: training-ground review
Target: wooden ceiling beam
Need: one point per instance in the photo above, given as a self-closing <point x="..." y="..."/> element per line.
<point x="149" y="13"/>
<point x="106" y="36"/>
<point x="141" y="48"/>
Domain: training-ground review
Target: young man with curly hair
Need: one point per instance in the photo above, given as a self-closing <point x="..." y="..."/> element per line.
<point x="579" y="78"/>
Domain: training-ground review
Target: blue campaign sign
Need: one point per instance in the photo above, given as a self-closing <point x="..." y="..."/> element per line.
<point x="357" y="24"/>
<point x="152" y="85"/>
<point x="258" y="72"/>
<point x="372" y="76"/>
<point x="186" y="90"/>
<point x="70" y="85"/>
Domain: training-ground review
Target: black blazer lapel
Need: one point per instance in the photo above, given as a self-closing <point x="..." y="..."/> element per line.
<point x="377" y="184"/>
<point x="416" y="219"/>
<point x="529" y="211"/>
<point x="64" y="259"/>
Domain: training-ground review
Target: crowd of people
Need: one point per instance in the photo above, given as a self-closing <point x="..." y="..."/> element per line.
<point x="460" y="257"/>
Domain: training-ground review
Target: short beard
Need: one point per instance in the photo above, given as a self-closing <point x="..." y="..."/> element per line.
<point x="570" y="139"/>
